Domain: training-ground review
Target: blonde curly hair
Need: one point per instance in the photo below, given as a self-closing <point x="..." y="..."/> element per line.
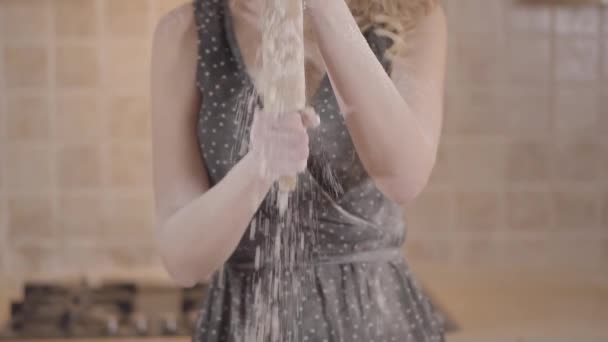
<point x="391" y="18"/>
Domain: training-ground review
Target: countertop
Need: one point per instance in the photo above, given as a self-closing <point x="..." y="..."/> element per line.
<point x="500" y="304"/>
<point x="556" y="304"/>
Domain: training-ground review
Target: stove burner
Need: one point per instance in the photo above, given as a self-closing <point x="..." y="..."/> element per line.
<point x="113" y="310"/>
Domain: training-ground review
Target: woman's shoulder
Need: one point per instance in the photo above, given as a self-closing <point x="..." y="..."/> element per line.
<point x="176" y="26"/>
<point x="174" y="47"/>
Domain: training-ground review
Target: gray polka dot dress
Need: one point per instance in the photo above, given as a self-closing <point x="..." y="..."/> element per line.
<point x="329" y="270"/>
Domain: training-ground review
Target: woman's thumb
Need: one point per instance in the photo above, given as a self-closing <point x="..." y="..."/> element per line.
<point x="310" y="119"/>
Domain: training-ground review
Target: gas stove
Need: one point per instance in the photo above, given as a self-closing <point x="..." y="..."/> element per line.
<point x="109" y="310"/>
<point x="120" y="309"/>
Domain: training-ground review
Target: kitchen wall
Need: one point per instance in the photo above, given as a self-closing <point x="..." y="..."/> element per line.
<point x="521" y="174"/>
<point x="76" y="162"/>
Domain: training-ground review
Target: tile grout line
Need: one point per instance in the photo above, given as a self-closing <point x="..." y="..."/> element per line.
<point x="52" y="102"/>
<point x="600" y="72"/>
<point x="4" y="255"/>
<point x="501" y="35"/>
<point x="101" y="105"/>
<point x="153" y="15"/>
<point x="502" y="226"/>
<point x="551" y="106"/>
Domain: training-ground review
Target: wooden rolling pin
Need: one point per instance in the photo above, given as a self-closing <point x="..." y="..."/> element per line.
<point x="283" y="82"/>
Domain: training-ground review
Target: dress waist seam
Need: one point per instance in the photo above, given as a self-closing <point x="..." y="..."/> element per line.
<point x="387" y="254"/>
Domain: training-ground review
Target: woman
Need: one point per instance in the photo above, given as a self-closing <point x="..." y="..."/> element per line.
<point x="375" y="74"/>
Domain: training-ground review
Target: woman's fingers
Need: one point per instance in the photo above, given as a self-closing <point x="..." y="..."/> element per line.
<point x="282" y="140"/>
<point x="310" y="119"/>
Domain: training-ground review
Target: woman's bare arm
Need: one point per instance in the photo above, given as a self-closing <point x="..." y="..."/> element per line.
<point x="394" y="123"/>
<point x="197" y="227"/>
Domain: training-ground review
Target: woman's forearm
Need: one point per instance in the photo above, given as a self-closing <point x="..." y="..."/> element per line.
<point x="200" y="237"/>
<point x="391" y="144"/>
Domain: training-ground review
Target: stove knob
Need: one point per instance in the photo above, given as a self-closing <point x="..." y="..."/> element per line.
<point x="192" y="318"/>
<point x="141" y="324"/>
<point x="112" y="325"/>
<point x="170" y="325"/>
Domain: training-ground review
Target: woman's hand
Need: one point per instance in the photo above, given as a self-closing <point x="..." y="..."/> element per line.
<point x="280" y="141"/>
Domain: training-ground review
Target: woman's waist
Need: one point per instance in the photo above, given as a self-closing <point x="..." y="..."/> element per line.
<point x="329" y="235"/>
<point x="265" y="258"/>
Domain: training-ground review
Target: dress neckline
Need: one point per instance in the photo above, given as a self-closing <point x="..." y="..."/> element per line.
<point x="243" y="69"/>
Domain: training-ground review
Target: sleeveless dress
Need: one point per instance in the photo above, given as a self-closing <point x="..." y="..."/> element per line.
<point x="346" y="279"/>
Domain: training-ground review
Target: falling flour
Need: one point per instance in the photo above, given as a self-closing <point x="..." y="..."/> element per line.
<point x="276" y="288"/>
<point x="282" y="80"/>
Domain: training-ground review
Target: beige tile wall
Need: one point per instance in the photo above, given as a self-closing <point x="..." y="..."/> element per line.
<point x="75" y="184"/>
<point x="521" y="175"/>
